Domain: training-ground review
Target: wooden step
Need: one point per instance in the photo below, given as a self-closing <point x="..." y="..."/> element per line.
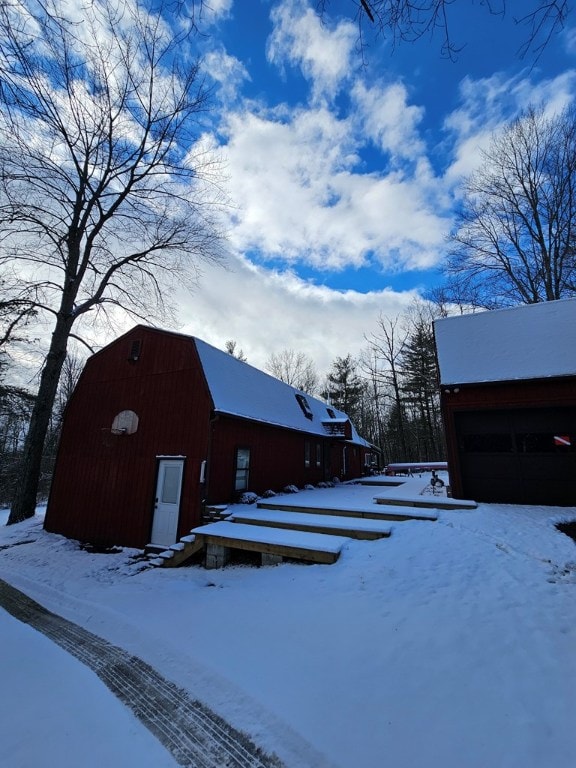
<point x="300" y="545"/>
<point x="176" y="554"/>
<point x="182" y="554"/>
<point x="427" y="502"/>
<point x="354" y="527"/>
<point x="368" y="511"/>
<point x="392" y="482"/>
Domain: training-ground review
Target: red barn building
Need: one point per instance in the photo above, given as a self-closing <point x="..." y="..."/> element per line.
<point x="508" y="396"/>
<point x="161" y="424"/>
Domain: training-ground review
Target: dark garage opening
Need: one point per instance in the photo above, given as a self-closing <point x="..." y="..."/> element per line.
<point x="518" y="456"/>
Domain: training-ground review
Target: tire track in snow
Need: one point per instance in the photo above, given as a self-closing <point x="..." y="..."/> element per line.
<point x="194" y="735"/>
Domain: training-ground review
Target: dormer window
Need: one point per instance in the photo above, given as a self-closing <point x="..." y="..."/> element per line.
<point x="303" y="403"/>
<point x="330" y="413"/>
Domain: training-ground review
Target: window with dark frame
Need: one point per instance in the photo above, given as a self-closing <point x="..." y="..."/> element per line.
<point x="242" y="472"/>
<point x="307" y="454"/>
<point x="303" y="403"/>
<point x="519" y="442"/>
<point x="488" y="443"/>
<point x="544" y="442"/>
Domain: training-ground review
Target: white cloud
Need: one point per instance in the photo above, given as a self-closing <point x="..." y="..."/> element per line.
<point x="387" y="118"/>
<point x="211" y="12"/>
<point x="321" y="49"/>
<point x="267" y="311"/>
<point x="301" y="195"/>
<point x="227" y="71"/>
<point x="489" y="103"/>
<point x="568" y="37"/>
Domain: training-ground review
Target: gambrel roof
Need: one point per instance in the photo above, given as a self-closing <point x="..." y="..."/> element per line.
<point x="532" y="341"/>
<point x="239" y="389"/>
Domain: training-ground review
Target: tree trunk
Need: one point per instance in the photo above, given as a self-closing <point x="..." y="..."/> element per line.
<point x="24" y="504"/>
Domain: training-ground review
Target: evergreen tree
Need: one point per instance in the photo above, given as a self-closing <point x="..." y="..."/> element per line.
<point x="232" y="349"/>
<point x="420" y="389"/>
<point x="344" y="388"/>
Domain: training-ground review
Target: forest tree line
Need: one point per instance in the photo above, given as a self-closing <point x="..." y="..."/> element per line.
<point x="390" y="391"/>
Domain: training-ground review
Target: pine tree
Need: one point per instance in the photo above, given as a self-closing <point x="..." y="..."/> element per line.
<point x="232" y="348"/>
<point x="344" y="388"/>
<point x="420" y="392"/>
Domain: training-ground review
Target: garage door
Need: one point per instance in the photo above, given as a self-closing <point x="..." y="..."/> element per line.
<point x="523" y="456"/>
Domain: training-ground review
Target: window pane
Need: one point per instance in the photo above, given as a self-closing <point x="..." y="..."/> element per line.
<point x="243" y="458"/>
<point x="241" y="480"/>
<point x="171" y="485"/>
<point x="303" y="403"/>
<point x="541" y="442"/>
<point x="489" y="443"/>
<point x="242" y="469"/>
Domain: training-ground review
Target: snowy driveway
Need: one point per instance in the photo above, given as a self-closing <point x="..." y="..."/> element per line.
<point x="193" y="734"/>
<point x="448" y="645"/>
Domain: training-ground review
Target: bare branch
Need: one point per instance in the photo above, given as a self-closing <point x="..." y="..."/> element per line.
<point x="406" y="21"/>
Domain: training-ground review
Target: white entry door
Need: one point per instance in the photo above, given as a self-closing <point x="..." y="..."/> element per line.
<point x="167" y="502"/>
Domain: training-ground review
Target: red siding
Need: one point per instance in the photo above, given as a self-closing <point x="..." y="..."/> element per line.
<point x="539" y="393"/>
<point x="104" y="484"/>
<point x="277" y="458"/>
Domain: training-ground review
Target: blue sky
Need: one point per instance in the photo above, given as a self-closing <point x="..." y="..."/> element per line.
<point x="344" y="171"/>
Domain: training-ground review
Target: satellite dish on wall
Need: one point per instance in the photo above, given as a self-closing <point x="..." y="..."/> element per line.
<point x="125" y="423"/>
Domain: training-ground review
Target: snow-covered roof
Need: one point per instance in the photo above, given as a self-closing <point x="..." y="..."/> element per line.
<point x="527" y="342"/>
<point x="239" y="389"/>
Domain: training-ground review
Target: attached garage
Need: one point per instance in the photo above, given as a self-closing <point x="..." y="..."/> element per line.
<point x="508" y="393"/>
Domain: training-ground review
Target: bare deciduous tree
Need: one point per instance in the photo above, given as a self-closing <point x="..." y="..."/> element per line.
<point x="103" y="182"/>
<point x="387" y="346"/>
<point x="401" y="365"/>
<point x="515" y="236"/>
<point x="294" y="368"/>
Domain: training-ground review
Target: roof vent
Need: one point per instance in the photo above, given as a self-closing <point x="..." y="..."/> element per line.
<point x="135" y="350"/>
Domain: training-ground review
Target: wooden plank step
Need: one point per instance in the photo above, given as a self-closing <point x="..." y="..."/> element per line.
<point x="184" y="550"/>
<point x="427" y="502"/>
<point x="176" y="554"/>
<point x="368" y="511"/>
<point x="354" y="527"/>
<point x="392" y="482"/>
<point x="300" y="545"/>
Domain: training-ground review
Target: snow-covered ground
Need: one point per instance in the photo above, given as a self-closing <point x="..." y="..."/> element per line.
<point x="449" y="645"/>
